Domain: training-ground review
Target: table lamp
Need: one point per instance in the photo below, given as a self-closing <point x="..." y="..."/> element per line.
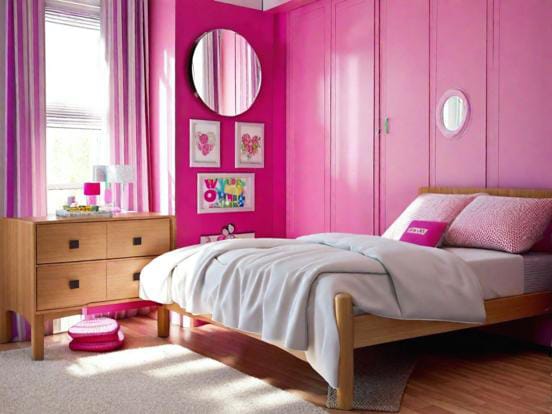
<point x="123" y="175"/>
<point x="91" y="191"/>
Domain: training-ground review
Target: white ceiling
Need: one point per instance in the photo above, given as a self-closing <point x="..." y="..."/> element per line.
<point x="256" y="4"/>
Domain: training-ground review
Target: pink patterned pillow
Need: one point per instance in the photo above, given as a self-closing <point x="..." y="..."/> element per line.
<point x="425" y="233"/>
<point x="429" y="207"/>
<point x="508" y="224"/>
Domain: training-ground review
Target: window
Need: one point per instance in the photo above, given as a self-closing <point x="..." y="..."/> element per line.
<point x="75" y="97"/>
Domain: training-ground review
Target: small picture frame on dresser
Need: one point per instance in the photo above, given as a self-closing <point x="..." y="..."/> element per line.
<point x="249" y="145"/>
<point x="204" y="143"/>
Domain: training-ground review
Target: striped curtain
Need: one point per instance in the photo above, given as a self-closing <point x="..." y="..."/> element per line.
<point x="125" y="32"/>
<point x="22" y="116"/>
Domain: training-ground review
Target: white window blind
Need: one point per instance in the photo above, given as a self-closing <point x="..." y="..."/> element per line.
<point x="73" y="64"/>
<point x="83" y="13"/>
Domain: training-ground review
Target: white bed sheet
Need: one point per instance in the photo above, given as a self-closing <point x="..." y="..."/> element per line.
<point x="500" y="274"/>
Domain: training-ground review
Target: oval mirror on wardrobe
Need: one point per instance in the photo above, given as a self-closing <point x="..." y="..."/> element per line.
<point x="452" y="113"/>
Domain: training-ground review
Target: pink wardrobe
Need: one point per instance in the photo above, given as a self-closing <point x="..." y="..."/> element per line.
<point x="364" y="78"/>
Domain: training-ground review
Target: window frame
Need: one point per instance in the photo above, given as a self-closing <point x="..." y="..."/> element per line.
<point x="84" y="14"/>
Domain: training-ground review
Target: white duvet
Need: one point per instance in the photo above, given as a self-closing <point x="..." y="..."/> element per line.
<point x="284" y="289"/>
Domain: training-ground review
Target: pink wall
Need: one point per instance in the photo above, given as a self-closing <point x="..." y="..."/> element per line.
<point x="193" y="18"/>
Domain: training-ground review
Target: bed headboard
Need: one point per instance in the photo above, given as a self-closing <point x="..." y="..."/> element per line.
<point x="505" y="192"/>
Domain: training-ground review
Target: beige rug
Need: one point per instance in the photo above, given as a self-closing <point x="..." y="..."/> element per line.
<point x="381" y="375"/>
<point x="160" y="379"/>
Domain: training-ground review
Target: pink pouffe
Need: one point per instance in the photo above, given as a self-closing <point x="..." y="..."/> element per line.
<point x="107" y="346"/>
<point x="96" y="335"/>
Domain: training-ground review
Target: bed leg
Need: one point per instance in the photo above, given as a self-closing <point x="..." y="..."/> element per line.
<point x="344" y="319"/>
<point x="163" y="322"/>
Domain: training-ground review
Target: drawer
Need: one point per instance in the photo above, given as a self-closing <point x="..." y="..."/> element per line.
<point x="71" y="242"/>
<point x="66" y="285"/>
<point x="123" y="278"/>
<point x="136" y="238"/>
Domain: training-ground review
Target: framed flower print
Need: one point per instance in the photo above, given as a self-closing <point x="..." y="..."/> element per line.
<point x="204" y="143"/>
<point x="225" y="193"/>
<point x="250" y="145"/>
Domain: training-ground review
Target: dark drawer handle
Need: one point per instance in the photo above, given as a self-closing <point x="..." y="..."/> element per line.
<point x="137" y="241"/>
<point x="74" y="244"/>
<point x="136" y="276"/>
<point x="74" y="284"/>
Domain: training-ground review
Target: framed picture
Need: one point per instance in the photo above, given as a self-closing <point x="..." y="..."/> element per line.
<point x="249" y="148"/>
<point x="222" y="193"/>
<point x="204" y="143"/>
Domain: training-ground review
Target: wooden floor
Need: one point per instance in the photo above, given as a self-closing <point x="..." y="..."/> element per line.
<point x="465" y="372"/>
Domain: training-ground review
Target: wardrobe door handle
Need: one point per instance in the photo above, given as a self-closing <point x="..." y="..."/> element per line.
<point x="386" y="125"/>
<point x="74" y="284"/>
<point x="74" y="244"/>
<point x="136" y="241"/>
<point x="136" y="277"/>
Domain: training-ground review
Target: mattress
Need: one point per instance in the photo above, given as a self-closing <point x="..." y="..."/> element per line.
<point x="504" y="274"/>
<point x="537" y="276"/>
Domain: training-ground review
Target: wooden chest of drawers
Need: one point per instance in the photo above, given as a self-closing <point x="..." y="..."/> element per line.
<point x="54" y="267"/>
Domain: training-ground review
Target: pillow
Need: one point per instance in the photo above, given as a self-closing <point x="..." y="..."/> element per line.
<point x="508" y="224"/>
<point x="544" y="245"/>
<point x="425" y="233"/>
<point x="429" y="207"/>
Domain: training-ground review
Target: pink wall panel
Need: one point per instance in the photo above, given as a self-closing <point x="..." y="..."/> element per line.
<point x="405" y="101"/>
<point x="193" y="18"/>
<point x="352" y="111"/>
<point x="459" y="59"/>
<point x="308" y="127"/>
<point x="524" y="156"/>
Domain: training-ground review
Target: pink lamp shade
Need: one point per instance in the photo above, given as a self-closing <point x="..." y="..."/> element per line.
<point x="91" y="189"/>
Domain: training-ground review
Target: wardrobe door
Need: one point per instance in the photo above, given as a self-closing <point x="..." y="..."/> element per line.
<point x="308" y="137"/>
<point x="460" y="62"/>
<point x="522" y="156"/>
<point x="353" y="61"/>
<point x="405" y="105"/>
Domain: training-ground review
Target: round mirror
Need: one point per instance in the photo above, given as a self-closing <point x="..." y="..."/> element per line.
<point x="452" y="113"/>
<point x="226" y="72"/>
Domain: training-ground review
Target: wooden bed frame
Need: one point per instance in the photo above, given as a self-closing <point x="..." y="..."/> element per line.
<point x="367" y="330"/>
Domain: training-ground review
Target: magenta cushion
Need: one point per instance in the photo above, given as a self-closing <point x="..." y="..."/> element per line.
<point x="509" y="224"/>
<point x="429" y="207"/>
<point x="77" y="345"/>
<point x="544" y="245"/>
<point x="95" y="330"/>
<point x="425" y="233"/>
